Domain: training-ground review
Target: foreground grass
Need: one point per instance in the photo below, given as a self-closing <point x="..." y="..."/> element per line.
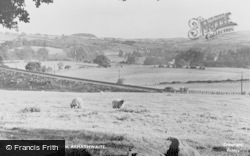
<point x="203" y="121"/>
<point x="114" y="144"/>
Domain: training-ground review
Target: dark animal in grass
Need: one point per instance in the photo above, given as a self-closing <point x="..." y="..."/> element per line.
<point x="176" y="147"/>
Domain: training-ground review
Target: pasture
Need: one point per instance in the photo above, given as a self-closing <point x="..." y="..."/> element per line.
<point x="20" y="64"/>
<point x="152" y="76"/>
<point x="222" y="86"/>
<point x="145" y="121"/>
<point x="146" y="75"/>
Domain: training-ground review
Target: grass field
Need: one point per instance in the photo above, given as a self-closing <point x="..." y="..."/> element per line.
<point x="151" y="76"/>
<point x="141" y="75"/>
<point x="51" y="50"/>
<point x="20" y="64"/>
<point x="146" y="120"/>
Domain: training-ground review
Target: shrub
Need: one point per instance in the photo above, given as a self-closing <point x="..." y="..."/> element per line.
<point x="102" y="61"/>
<point x="120" y="81"/>
<point x="60" y="65"/>
<point x="67" y="67"/>
<point x="30" y="110"/>
<point x="33" y="66"/>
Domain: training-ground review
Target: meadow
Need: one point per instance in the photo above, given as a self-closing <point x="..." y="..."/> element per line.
<point x="146" y="120"/>
<point x="151" y="76"/>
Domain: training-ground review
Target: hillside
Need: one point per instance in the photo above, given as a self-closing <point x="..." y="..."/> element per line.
<point x="223" y="41"/>
<point x="85" y="47"/>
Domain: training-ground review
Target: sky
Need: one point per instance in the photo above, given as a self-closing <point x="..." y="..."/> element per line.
<point x="130" y="19"/>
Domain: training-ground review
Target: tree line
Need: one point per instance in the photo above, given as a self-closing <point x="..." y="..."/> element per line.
<point x="198" y="57"/>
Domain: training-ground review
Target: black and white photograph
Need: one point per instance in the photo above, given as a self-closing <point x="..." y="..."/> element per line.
<point x="124" y="78"/>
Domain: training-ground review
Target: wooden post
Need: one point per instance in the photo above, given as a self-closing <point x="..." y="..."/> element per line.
<point x="241" y="86"/>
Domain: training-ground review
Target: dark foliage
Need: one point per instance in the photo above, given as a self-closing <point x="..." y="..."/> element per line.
<point x="192" y="57"/>
<point x="10" y="10"/>
<point x="153" y="61"/>
<point x="34" y="66"/>
<point x="120" y="54"/>
<point x="129" y="42"/>
<point x="1" y="60"/>
<point x="102" y="61"/>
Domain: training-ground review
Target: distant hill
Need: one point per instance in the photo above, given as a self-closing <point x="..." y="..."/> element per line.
<point x="83" y="35"/>
<point x="226" y="41"/>
<point x="162" y="47"/>
<point x="241" y="38"/>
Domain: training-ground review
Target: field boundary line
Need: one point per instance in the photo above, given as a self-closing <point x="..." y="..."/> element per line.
<point x="96" y="82"/>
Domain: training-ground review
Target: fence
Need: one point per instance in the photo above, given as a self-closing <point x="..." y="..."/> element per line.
<point x="216" y="92"/>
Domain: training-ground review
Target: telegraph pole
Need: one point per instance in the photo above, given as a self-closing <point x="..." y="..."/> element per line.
<point x="241" y="84"/>
<point x="54" y="69"/>
<point x="119" y="74"/>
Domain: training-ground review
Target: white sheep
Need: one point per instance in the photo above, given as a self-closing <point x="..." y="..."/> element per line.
<point x="118" y="103"/>
<point x="77" y="103"/>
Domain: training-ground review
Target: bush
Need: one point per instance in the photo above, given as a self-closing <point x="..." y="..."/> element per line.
<point x="33" y="66"/>
<point x="30" y="110"/>
<point x="67" y="67"/>
<point x="153" y="61"/>
<point x="60" y="65"/>
<point x="102" y="61"/>
<point x="169" y="89"/>
<point x="120" y="81"/>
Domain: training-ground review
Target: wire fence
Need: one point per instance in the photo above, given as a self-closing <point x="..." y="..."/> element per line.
<point x="216" y="92"/>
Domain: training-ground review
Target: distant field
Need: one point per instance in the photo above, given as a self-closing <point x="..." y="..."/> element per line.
<point x="7" y="37"/>
<point x="226" y="87"/>
<point x="11" y="36"/>
<point x="20" y="64"/>
<point x="147" y="119"/>
<point x="141" y="75"/>
<point x="152" y="76"/>
<point x="51" y="50"/>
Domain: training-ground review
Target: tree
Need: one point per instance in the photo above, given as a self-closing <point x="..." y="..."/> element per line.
<point x="136" y="54"/>
<point x="10" y="10"/>
<point x="153" y="61"/>
<point x="181" y="63"/>
<point x="120" y="81"/>
<point x="3" y="52"/>
<point x="24" y="53"/>
<point x="102" y="60"/>
<point x="33" y="66"/>
<point x="1" y="60"/>
<point x="43" y="54"/>
<point x="120" y="54"/>
<point x="60" y="65"/>
<point x="49" y="70"/>
<point x="193" y="57"/>
<point x="44" y="69"/>
<point x="67" y="67"/>
<point x="131" y="59"/>
<point x="76" y="52"/>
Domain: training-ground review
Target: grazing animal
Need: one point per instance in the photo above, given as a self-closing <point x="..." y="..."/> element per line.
<point x="118" y="103"/>
<point x="178" y="148"/>
<point x="77" y="103"/>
